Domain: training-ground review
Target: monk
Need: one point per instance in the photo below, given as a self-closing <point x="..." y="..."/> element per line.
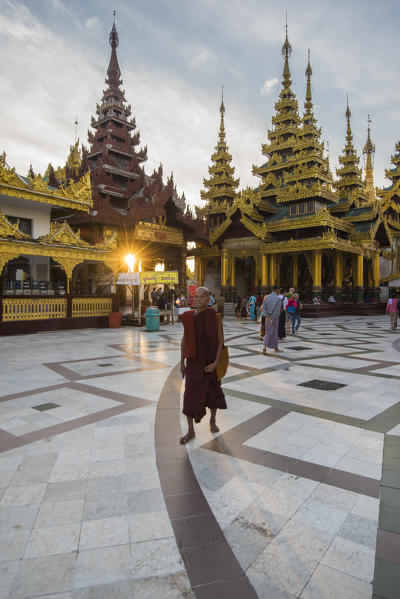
<point x="200" y="351"/>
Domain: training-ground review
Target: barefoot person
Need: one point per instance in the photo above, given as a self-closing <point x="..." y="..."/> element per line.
<point x="271" y="308"/>
<point x="201" y="347"/>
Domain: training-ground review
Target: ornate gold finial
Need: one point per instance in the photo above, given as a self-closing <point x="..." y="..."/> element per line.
<point x="368" y="151"/>
<point x="286" y="52"/>
<point x="286" y="48"/>
<point x="222" y="107"/>
<point x="308" y="103"/>
<point x="369" y="147"/>
<point x="113" y="39"/>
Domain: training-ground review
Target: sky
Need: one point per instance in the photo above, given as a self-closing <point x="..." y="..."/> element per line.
<point x="174" y="56"/>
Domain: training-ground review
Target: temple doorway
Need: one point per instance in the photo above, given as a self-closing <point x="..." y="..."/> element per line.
<point x="286" y="277"/>
<point x="327" y="275"/>
<point x="304" y="279"/>
<point x="245" y="276"/>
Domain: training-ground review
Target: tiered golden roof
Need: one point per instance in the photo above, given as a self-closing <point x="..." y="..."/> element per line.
<point x="349" y="186"/>
<point x="221" y="186"/>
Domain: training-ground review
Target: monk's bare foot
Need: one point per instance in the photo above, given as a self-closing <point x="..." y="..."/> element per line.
<point x="213" y="427"/>
<point x="264" y="350"/>
<point x="278" y="351"/>
<point x="183" y="440"/>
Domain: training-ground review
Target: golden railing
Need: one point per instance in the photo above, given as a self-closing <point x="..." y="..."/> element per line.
<point x="34" y="309"/>
<point x="91" y="306"/>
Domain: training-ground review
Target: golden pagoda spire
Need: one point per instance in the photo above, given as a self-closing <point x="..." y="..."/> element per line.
<point x="286" y="52"/>
<point x="369" y="151"/>
<point x="221" y="186"/>
<point x="350" y="186"/>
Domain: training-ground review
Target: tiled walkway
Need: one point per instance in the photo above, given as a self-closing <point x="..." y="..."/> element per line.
<point x="98" y="500"/>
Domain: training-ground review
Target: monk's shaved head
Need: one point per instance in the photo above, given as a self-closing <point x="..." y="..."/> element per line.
<point x="203" y="290"/>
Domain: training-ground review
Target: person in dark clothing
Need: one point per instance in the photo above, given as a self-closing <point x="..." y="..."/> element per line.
<point x="200" y="351"/>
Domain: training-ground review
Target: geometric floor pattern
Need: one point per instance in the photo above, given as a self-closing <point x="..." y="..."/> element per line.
<point x="297" y="496"/>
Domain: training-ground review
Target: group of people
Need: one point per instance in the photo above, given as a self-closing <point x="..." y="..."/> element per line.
<point x="280" y="315"/>
<point x="248" y="306"/>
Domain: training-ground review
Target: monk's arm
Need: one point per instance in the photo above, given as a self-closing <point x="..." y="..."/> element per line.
<point x="183" y="350"/>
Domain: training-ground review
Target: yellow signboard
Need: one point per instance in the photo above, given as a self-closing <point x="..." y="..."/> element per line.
<point x="158" y="233"/>
<point x="159" y="278"/>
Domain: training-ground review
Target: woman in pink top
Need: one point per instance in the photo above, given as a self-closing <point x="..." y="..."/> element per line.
<point x="392" y="309"/>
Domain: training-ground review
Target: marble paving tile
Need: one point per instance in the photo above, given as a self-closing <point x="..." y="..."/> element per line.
<point x="104" y="533"/>
<point x="102" y="566"/>
<point x="155" y="558"/>
<point x="330" y="583"/>
<point x="149" y="526"/>
<point x="44" y="575"/>
<point x="53" y="541"/>
<point x="350" y="558"/>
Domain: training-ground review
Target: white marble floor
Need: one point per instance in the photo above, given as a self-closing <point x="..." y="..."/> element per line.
<point x="82" y="513"/>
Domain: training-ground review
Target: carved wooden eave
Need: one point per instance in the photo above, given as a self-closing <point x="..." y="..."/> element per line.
<point x="75" y="196"/>
<point x="61" y="233"/>
<point x="9" y="230"/>
<point x="322" y="218"/>
<point x="328" y="240"/>
<point x="302" y="192"/>
<point x="216" y="232"/>
<point x="68" y="256"/>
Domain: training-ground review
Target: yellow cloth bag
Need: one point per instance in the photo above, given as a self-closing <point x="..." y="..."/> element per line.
<point x="223" y="361"/>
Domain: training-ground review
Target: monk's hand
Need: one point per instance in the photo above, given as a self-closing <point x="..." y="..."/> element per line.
<point x="210" y="367"/>
<point x="183" y="369"/>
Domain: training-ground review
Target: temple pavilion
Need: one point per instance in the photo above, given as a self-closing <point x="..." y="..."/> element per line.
<point x="299" y="226"/>
<point x="147" y="214"/>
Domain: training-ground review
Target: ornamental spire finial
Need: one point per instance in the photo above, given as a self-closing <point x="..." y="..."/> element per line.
<point x="349" y="135"/>
<point x="286" y="52"/>
<point x="308" y="103"/>
<point x="113" y="39"/>
<point x="222" y="107"/>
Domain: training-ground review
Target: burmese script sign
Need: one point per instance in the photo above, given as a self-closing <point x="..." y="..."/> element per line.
<point x="128" y="278"/>
<point x="159" y="278"/>
<point x="158" y="233"/>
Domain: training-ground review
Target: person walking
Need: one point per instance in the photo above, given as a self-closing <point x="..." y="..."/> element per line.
<point x="243" y="308"/>
<point x="201" y="348"/>
<point x="282" y="317"/>
<point x="271" y="308"/>
<point x="238" y="305"/>
<point x="220" y="304"/>
<point x="294" y="307"/>
<point x="289" y="295"/>
<point x="251" y="307"/>
<point x="392" y="308"/>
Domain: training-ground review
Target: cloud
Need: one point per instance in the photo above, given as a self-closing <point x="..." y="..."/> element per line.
<point x="268" y="86"/>
<point x="93" y="23"/>
<point x="199" y="58"/>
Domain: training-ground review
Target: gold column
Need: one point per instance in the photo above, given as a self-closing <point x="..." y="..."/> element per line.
<point x="359" y="277"/>
<point x="375" y="269"/>
<point x="360" y="270"/>
<point x="272" y="270"/>
<point x="338" y="274"/>
<point x="317" y="263"/>
<point x="224" y="268"/>
<point x="264" y="270"/>
<point x="338" y="269"/>
<point x="200" y="276"/>
<point x="233" y="271"/>
<point x="295" y="277"/>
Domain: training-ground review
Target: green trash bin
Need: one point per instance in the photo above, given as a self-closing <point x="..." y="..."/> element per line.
<point x="152" y="316"/>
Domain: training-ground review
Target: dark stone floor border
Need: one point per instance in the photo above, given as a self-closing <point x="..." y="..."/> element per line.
<point x="212" y="568"/>
<point x="127" y="403"/>
<point x="231" y="443"/>
<point x="386" y="583"/>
